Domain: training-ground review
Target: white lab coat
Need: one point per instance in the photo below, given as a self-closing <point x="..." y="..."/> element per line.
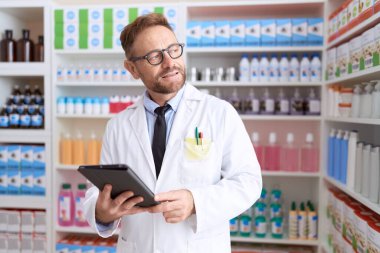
<point x="224" y="181"/>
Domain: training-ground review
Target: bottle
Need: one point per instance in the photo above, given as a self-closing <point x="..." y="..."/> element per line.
<point x="66" y="206"/>
<point x="290" y="155"/>
<point x="259" y="149"/>
<point x="14" y="118"/>
<point x="78" y="106"/>
<point x="312" y="222"/>
<point x="4" y="118"/>
<point x="356" y="101"/>
<point x="116" y="73"/>
<point x="366" y="177"/>
<point x="79" y="73"/>
<point x="272" y="154"/>
<point x="282" y="104"/>
<point x="92" y="151"/>
<point x="275" y="196"/>
<point x="358" y="167"/>
<point x="61" y="73"/>
<point x="309" y="155"/>
<point x="244" y="69"/>
<point x="331" y="141"/>
<point x="80" y="219"/>
<point x="78" y="150"/>
<point x="70" y="105"/>
<point x="374" y="175"/>
<point x="96" y="105"/>
<point x="312" y="104"/>
<point x="98" y="73"/>
<point x="267" y="103"/>
<point x="27" y="95"/>
<point x="274" y="69"/>
<point x="8" y="47"/>
<point x="37" y="120"/>
<point x="107" y="73"/>
<point x="25" y="120"/>
<point x="105" y="106"/>
<point x="344" y="157"/>
<point x="61" y="105"/>
<point x="38" y="98"/>
<point x="337" y="154"/>
<point x="293" y="222"/>
<point x="284" y="69"/>
<point x="66" y="149"/>
<point x="302" y="222"/>
<point x="315" y="68"/>
<point x="277" y="227"/>
<point x="16" y="93"/>
<point x="353" y="138"/>
<point x="305" y="69"/>
<point x="252" y="103"/>
<point x="245" y="225"/>
<point x="366" y="101"/>
<point x="376" y="100"/>
<point x="264" y="69"/>
<point x="88" y="73"/>
<point x="260" y="226"/>
<point x="25" y="47"/>
<point x="235" y="101"/>
<point x="330" y="101"/>
<point x="70" y="73"/>
<point x="234" y="226"/>
<point x="39" y="50"/>
<point x="296" y="103"/>
<point x="254" y="69"/>
<point x="294" y="70"/>
<point x="88" y="106"/>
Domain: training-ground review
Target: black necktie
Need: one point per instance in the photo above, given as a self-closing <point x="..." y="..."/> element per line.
<point x="159" y="137"/>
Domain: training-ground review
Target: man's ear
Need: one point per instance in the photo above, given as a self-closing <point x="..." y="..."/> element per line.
<point x="130" y="66"/>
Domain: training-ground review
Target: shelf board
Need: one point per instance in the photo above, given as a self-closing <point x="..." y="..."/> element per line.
<point x="253" y="84"/>
<point x="24" y="201"/>
<point x="83" y="116"/>
<point x="357" y="30"/>
<point x="354" y="120"/>
<point x="66" y="167"/>
<point x="269" y="240"/>
<point x="280" y="117"/>
<point x="23" y="69"/>
<point x="24" y="135"/>
<point x="246" y="49"/>
<point x="89" y="52"/>
<point x="361" y="76"/>
<point x="78" y="230"/>
<point x="101" y="84"/>
<point x="252" y="3"/>
<point x="290" y="174"/>
<point x="375" y="207"/>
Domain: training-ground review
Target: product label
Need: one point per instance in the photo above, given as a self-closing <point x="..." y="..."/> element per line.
<point x="64" y="208"/>
<point x="261" y="227"/>
<point x="25" y="120"/>
<point x="245" y="226"/>
<point x="4" y="121"/>
<point x="14" y="119"/>
<point x="373" y="242"/>
<point x="284" y="106"/>
<point x="368" y="47"/>
<point x="234" y="227"/>
<point x="79" y="214"/>
<point x="255" y="106"/>
<point x="355" y="53"/>
<point x="314" y="106"/>
<point x="312" y="223"/>
<point x="36" y="120"/>
<point x="269" y="105"/>
<point x="252" y="32"/>
<point x="277" y="227"/>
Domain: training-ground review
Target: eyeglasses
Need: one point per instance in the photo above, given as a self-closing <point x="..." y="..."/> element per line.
<point x="155" y="57"/>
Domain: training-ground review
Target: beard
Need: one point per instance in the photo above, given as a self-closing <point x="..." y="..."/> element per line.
<point x="161" y="87"/>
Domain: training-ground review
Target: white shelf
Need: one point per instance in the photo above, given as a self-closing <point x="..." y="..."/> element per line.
<point x="66" y="167"/>
<point x="290" y="174"/>
<point x="354" y="120"/>
<point x="101" y="84"/>
<point x="246" y="49"/>
<point x="253" y="84"/>
<point x="357" y="30"/>
<point x="358" y="197"/>
<point x="252" y="3"/>
<point x="270" y="240"/>
<point x="17" y="69"/>
<point x="24" y="201"/>
<point x="89" y="52"/>
<point x="361" y="76"/>
<point x="83" y="116"/>
<point x="24" y="135"/>
<point x="280" y="117"/>
<point x="78" y="230"/>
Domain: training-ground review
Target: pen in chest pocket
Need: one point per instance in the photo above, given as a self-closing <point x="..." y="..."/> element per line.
<point x="196" y="135"/>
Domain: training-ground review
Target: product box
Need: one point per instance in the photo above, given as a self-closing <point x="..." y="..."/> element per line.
<point x="365" y="10"/>
<point x="144" y="10"/>
<point x="3" y="221"/>
<point x="3" y="243"/>
<point x="342" y="19"/>
<point x="95" y="15"/>
<point x="252" y="33"/>
<point x="355" y="47"/>
<point x="193" y="34"/>
<point x="268" y="32"/>
<point x="237" y="33"/>
<point x="283" y="32"/>
<point x="95" y="36"/>
<point x="315" y="31"/>
<point x="95" y="42"/>
<point x="26" y="243"/>
<point x="352" y="13"/>
<point x="39" y="170"/>
<point x="39" y="222"/>
<point x="222" y="33"/>
<point x="376" y="6"/>
<point x="70" y="15"/>
<point x="376" y="55"/>
<point x="39" y="243"/>
<point x="14" y="222"/>
<point x="27" y="222"/>
<point x="368" y="49"/>
<point x="26" y="170"/>
<point x="70" y="43"/>
<point x="171" y="14"/>
<point x="343" y="57"/>
<point x="331" y="64"/>
<point x="207" y="34"/>
<point x="14" y="243"/>
<point x="3" y="169"/>
<point x="120" y="16"/>
<point x="299" y="31"/>
<point x="71" y="30"/>
<point x="14" y="158"/>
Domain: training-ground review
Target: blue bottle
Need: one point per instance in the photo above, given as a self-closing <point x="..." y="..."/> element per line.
<point x="344" y="157"/>
<point x="337" y="156"/>
<point x="330" y="165"/>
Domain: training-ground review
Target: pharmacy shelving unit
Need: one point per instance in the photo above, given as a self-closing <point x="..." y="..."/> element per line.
<point x="32" y="15"/>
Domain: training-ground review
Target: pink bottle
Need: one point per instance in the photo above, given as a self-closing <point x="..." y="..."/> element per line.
<point x="290" y="155"/>
<point x="309" y="155"/>
<point x="259" y="149"/>
<point x="66" y="206"/>
<point x="80" y="219"/>
<point x="272" y="154"/>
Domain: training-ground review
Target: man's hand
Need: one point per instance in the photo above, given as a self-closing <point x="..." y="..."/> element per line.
<point x="108" y="210"/>
<point x="176" y="206"/>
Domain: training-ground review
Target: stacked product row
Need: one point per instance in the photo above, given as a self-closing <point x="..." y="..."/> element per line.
<point x="362" y="101"/>
<point x="354" y="163"/>
<point x="255" y="32"/>
<point x="286" y="157"/>
<point x="85" y="244"/>
<point x="22" y="170"/>
<point x="70" y="206"/>
<point x="351" y="226"/>
<point x="271" y="249"/>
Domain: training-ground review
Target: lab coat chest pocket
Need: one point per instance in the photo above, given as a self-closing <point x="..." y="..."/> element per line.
<point x="124" y="246"/>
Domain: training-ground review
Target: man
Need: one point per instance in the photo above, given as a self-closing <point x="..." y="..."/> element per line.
<point x="202" y="167"/>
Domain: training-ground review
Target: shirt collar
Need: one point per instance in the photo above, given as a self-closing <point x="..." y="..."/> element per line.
<point x="150" y="105"/>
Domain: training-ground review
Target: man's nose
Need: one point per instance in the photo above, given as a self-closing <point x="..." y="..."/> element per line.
<point x="167" y="62"/>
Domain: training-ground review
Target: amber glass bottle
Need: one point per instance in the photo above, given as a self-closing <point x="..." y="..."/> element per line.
<point x="39" y="49"/>
<point x="8" y="47"/>
<point x="25" y="47"/>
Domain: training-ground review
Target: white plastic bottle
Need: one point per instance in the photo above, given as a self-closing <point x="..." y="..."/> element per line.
<point x="376" y="100"/>
<point x="284" y="69"/>
<point x="268" y="103"/>
<point x="254" y="69"/>
<point x="305" y="69"/>
<point x="315" y="69"/>
<point x="356" y="101"/>
<point x="366" y="101"/>
<point x="264" y="68"/>
<point x="244" y="69"/>
<point x="282" y="104"/>
<point x="274" y="69"/>
<point x="294" y="70"/>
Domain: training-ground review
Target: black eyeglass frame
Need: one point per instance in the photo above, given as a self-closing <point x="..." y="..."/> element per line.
<point x="137" y="58"/>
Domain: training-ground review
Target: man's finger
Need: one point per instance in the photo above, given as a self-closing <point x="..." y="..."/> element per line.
<point x="130" y="203"/>
<point x="173" y="214"/>
<point x="106" y="192"/>
<point x="165" y="207"/>
<point x="122" y="197"/>
<point x="168" y="196"/>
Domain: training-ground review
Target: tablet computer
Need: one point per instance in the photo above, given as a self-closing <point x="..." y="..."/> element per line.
<point x="122" y="178"/>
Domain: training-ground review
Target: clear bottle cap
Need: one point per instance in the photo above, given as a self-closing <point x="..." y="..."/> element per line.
<point x="272" y="138"/>
<point x="309" y="137"/>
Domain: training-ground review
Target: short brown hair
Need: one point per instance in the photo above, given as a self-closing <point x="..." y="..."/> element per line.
<point x="130" y="32"/>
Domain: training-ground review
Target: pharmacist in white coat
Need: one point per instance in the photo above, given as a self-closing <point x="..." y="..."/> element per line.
<point x="203" y="181"/>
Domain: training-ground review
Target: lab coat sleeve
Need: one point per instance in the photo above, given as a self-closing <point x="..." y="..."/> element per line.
<point x="241" y="182"/>
<point x="93" y="192"/>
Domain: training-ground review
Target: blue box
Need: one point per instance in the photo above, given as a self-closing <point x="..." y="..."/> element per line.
<point x="315" y="31"/>
<point x="237" y="33"/>
<point x="252" y="33"/>
<point x="222" y="33"/>
<point x="103" y="249"/>
<point x="3" y="169"/>
<point x="14" y="157"/>
<point x="268" y="32"/>
<point x="27" y="170"/>
<point x="39" y="171"/>
<point x="207" y="34"/>
<point x="299" y="31"/>
<point x="62" y="247"/>
<point x="283" y="32"/>
<point x="193" y="34"/>
<point x="88" y="249"/>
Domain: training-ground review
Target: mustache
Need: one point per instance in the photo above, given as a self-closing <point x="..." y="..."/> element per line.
<point x="167" y="71"/>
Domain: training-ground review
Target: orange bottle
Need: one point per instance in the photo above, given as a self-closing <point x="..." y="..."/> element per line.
<point x="78" y="150"/>
<point x="92" y="150"/>
<point x="66" y="150"/>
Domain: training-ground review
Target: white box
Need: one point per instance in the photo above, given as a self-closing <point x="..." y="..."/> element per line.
<point x="120" y="15"/>
<point x="26" y="243"/>
<point x="284" y="32"/>
<point x="237" y="32"/>
<point x="222" y="33"/>
<point x="252" y="33"/>
<point x="14" y="158"/>
<point x="342" y="18"/>
<point x="71" y="43"/>
<point x="95" y="15"/>
<point x="315" y="31"/>
<point x="40" y="222"/>
<point x="95" y="29"/>
<point x="26" y="169"/>
<point x="145" y="10"/>
<point x="14" y="222"/>
<point x="39" y="169"/>
<point x="343" y="57"/>
<point x="377" y="43"/>
<point x="368" y="48"/>
<point x="299" y="31"/>
<point x="355" y="47"/>
<point x="268" y="32"/>
<point x="70" y="16"/>
<point x="3" y="221"/>
<point x="3" y="243"/>
<point x="14" y="243"/>
<point x="27" y="222"/>
<point x="193" y="34"/>
<point x="208" y="34"/>
<point x="71" y="30"/>
<point x="3" y="169"/>
<point x="39" y="244"/>
<point x="352" y="11"/>
<point x="331" y="63"/>
<point x="95" y="42"/>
